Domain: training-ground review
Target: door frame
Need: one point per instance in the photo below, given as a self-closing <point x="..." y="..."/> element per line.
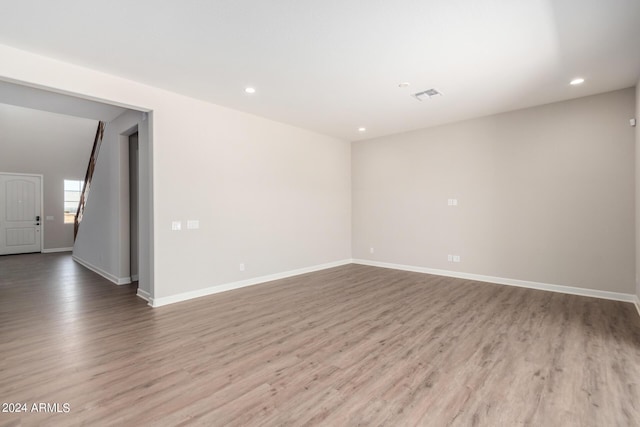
<point x="41" y="177"/>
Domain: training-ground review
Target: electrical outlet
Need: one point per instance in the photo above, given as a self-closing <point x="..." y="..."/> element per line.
<point x="176" y="225"/>
<point x="452" y="202"/>
<point x="456" y="258"/>
<point x="450" y="258"/>
<point x="242" y="266"/>
<point x="193" y="224"/>
<point x="370" y="250"/>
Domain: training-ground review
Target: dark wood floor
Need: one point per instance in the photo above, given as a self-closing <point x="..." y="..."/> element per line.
<point x="352" y="345"/>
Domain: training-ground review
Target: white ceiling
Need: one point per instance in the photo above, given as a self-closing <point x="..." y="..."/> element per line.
<point x="335" y="65"/>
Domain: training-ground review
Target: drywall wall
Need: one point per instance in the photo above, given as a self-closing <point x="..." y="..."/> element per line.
<point x="53" y="145"/>
<point x="637" y="157"/>
<point x="103" y="236"/>
<point x="545" y="194"/>
<point x="272" y="196"/>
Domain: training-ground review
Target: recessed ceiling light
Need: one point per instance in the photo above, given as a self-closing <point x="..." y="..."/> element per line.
<point x="250" y="90"/>
<point x="403" y="84"/>
<point x="362" y="129"/>
<point x="577" y="81"/>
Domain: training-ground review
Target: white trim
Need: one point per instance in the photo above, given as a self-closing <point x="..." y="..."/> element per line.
<point x="144" y="295"/>
<point x="54" y="250"/>
<point x="110" y="277"/>
<point x="157" y="302"/>
<point x="135" y="278"/>
<point x="637" y="301"/>
<point x="503" y="281"/>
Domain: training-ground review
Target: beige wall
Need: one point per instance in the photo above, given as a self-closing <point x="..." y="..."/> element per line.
<point x="545" y="194"/>
<point x="53" y="145"/>
<point x="637" y="157"/>
<point x="271" y="196"/>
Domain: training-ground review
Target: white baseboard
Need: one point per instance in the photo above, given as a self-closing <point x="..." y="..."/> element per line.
<point x="53" y="250"/>
<point x="638" y="304"/>
<point x="106" y="275"/>
<point x="144" y="295"/>
<point x="157" y="302"/>
<point x="503" y="281"/>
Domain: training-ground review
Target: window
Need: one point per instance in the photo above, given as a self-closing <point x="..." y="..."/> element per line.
<point x="72" y="191"/>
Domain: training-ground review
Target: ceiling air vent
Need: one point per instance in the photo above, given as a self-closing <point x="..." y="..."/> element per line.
<point x="429" y="93"/>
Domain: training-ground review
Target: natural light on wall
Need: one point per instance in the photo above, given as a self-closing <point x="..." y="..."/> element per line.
<point x="72" y="190"/>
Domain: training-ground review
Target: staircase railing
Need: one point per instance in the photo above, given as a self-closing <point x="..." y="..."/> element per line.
<point x="87" y="179"/>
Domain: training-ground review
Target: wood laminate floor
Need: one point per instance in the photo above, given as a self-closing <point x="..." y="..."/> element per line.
<point x="352" y="345"/>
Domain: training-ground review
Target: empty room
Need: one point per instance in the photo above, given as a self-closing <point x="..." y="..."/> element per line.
<point x="252" y="213"/>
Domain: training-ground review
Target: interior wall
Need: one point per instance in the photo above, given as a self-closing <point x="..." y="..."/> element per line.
<point x="545" y="194"/>
<point x="53" y="145"/>
<point x="637" y="157"/>
<point x="271" y="196"/>
<point x="103" y="235"/>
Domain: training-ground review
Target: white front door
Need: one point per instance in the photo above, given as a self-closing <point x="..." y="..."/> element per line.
<point x="20" y="213"/>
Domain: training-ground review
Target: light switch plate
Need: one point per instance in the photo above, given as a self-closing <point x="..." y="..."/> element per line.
<point x="176" y="225"/>
<point x="193" y="224"/>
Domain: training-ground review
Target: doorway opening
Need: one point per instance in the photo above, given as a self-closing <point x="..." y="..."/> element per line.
<point x="117" y="248"/>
